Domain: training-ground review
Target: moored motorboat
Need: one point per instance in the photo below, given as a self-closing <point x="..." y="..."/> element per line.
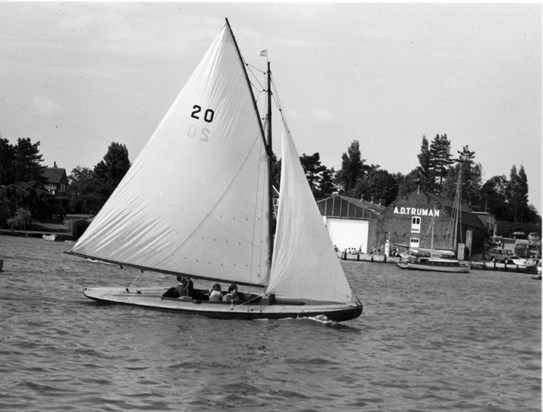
<point x="435" y="261"/>
<point x="435" y="265"/>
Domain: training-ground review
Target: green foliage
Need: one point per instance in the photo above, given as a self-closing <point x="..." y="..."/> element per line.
<point x="89" y="189"/>
<point x="508" y="199"/>
<point x="320" y="178"/>
<point x="21" y="220"/>
<point x="494" y="193"/>
<point x="425" y="176"/>
<point x="114" y="166"/>
<point x="471" y="177"/>
<point x="20" y="162"/>
<point x="362" y="181"/>
<point x="27" y="161"/>
<point x="352" y="169"/>
<point x="469" y="174"/>
<point x="22" y="183"/>
<point x="45" y="205"/>
<point x="327" y="186"/>
<point x="378" y="186"/>
<point x="408" y="183"/>
<point x="518" y="194"/>
<point x="110" y="171"/>
<point x="30" y="196"/>
<point x="83" y="191"/>
<point x="7" y="162"/>
<point x="439" y="162"/>
<point x="5" y="208"/>
<point x="78" y="227"/>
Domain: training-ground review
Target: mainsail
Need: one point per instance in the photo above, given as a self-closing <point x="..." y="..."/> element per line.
<point x="195" y="199"/>
<point x="304" y="263"/>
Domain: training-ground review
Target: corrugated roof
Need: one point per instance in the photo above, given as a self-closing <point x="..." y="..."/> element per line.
<point x="365" y="204"/>
<point x="349" y="207"/>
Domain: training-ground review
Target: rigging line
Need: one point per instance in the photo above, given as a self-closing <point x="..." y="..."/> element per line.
<point x="277" y="101"/>
<point x="250" y="300"/>
<point x="256" y="68"/>
<point x="257" y="90"/>
<point x="257" y="97"/>
<point x="279" y="106"/>
<point x="276" y="92"/>
<point x="134" y="281"/>
<point x="262" y="87"/>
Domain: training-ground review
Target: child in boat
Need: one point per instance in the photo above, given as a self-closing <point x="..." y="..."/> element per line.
<point x="215" y="294"/>
<point x="232" y="295"/>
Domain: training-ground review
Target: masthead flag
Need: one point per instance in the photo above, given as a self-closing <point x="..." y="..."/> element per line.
<point x="264" y="53"/>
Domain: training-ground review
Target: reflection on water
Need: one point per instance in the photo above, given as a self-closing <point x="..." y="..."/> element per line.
<point x="425" y="342"/>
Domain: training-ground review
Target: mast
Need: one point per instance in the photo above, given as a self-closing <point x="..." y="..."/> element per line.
<point x="457" y="202"/>
<point x="432" y="238"/>
<point x="267" y="144"/>
<point x="270" y="167"/>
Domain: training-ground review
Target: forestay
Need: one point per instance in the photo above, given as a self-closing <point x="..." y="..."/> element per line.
<point x="304" y="263"/>
<point x="195" y="199"/>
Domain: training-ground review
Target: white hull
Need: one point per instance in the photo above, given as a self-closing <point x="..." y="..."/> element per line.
<point x="152" y="298"/>
<point x="460" y="268"/>
<point x="525" y="263"/>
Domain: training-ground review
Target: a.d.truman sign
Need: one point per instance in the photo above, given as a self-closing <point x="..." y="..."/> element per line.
<point x="415" y="211"/>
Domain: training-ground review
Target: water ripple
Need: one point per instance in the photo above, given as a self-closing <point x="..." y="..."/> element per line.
<point x="426" y="342"/>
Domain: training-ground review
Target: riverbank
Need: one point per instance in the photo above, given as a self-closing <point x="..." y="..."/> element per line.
<point x="71" y="228"/>
<point x="477" y="263"/>
<point x="59" y="235"/>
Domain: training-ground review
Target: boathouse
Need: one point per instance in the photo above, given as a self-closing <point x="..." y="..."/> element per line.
<point x="426" y="220"/>
<point x="351" y="223"/>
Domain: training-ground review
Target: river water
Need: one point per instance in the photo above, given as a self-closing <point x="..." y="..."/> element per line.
<point x="425" y="342"/>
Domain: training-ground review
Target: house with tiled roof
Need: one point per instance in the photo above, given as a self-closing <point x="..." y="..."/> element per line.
<point x="56" y="180"/>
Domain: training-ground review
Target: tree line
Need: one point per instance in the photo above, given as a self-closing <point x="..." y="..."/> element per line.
<point x="23" y="198"/>
<point x="438" y="172"/>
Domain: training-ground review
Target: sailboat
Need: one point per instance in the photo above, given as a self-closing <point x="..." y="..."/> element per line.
<point x="197" y="202"/>
<point x="433" y="260"/>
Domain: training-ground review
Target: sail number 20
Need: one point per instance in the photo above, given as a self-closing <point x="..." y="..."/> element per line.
<point x="208" y="114"/>
<point x="203" y="133"/>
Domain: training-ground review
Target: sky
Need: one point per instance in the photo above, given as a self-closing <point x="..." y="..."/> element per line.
<point x="76" y="76"/>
